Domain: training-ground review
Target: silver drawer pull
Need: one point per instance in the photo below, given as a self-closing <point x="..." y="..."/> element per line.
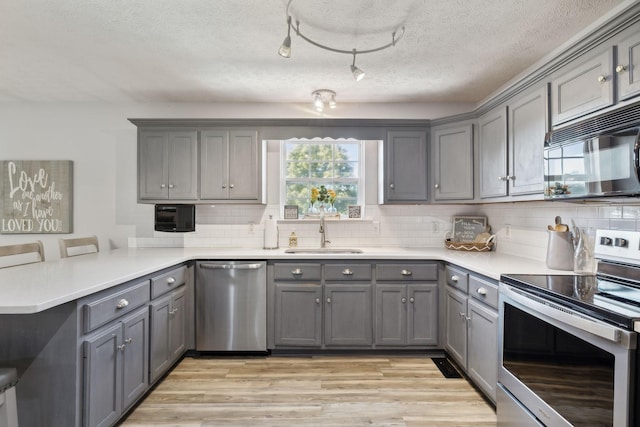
<point x="412" y="300"/>
<point x="454" y="278"/>
<point x="406" y="272"/>
<point x="403" y="300"/>
<point x="296" y="272"/>
<point x="481" y="291"/>
<point x="171" y="280"/>
<point x="174" y="311"/>
<point x="121" y="347"/>
<point x="128" y="341"/>
<point x="329" y="300"/>
<point x="317" y="300"/>
<point x="347" y="272"/>
<point x="122" y="303"/>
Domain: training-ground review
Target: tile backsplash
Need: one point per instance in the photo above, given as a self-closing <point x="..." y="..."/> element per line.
<point x="520" y="227"/>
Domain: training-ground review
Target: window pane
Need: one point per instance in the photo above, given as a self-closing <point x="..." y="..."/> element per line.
<point x="321" y="170"/>
<point x="346" y="170"/>
<point x="296" y="151"/>
<point x="296" y="191"/>
<point x="349" y="152"/>
<point x="297" y="170"/>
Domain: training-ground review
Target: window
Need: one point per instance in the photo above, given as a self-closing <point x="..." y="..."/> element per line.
<point x="336" y="165"/>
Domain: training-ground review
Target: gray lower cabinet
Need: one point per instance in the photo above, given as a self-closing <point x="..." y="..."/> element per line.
<point x="453" y="163"/>
<point x="471" y="327"/>
<point x="406" y="167"/>
<point x="298" y="315"/>
<point x="168" y="332"/>
<point x="347" y="315"/>
<point x="115" y="366"/>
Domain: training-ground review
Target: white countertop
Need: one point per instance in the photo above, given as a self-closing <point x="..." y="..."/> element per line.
<point x="36" y="287"/>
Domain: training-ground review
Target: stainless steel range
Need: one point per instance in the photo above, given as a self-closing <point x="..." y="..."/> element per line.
<point x="568" y="343"/>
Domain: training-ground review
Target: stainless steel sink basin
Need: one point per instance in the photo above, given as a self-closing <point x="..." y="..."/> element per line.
<point x="323" y="251"/>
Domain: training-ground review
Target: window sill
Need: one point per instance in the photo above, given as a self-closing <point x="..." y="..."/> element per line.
<point x="312" y="220"/>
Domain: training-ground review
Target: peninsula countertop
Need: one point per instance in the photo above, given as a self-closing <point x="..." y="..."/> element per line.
<point x="33" y="288"/>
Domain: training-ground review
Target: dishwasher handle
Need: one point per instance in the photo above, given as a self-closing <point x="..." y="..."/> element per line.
<point x="253" y="266"/>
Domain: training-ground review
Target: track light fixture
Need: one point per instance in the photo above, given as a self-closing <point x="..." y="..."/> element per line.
<point x="321" y="96"/>
<point x="358" y="74"/>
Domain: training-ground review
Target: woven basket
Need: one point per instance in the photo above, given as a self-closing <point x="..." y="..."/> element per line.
<point x="469" y="246"/>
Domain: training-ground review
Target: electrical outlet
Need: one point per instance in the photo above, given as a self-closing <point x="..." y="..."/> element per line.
<point x="435" y="227"/>
<point x="507" y="230"/>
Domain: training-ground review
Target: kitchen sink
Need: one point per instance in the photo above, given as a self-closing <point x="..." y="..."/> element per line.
<point x="323" y="251"/>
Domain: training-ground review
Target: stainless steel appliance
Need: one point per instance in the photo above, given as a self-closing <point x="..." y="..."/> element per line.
<point x="568" y="343"/>
<point x="231" y="306"/>
<point x="175" y="218"/>
<point x="599" y="157"/>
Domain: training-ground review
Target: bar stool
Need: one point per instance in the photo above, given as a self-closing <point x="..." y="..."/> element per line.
<point x="78" y="246"/>
<point x="23" y="253"/>
<point x="8" y="406"/>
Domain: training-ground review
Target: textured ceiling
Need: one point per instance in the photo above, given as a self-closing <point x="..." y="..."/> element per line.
<point x="226" y="50"/>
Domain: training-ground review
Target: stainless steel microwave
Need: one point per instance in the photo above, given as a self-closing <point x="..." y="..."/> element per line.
<point x="600" y="164"/>
<point x="175" y="218"/>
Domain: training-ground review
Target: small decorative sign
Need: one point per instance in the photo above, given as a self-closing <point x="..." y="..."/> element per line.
<point x="36" y="196"/>
<point x="290" y="211"/>
<point x="354" y="211"/>
<point x="467" y="228"/>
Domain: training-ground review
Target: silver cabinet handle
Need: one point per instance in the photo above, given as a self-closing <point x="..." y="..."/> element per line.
<point x="121" y="347"/>
<point x="163" y="186"/>
<point x="403" y="300"/>
<point x="481" y="291"/>
<point x="122" y="303"/>
<point x="454" y="278"/>
<point x="171" y="280"/>
<point x="461" y="314"/>
<point x="406" y="272"/>
<point x="329" y="300"/>
<point x="412" y="300"/>
<point x="224" y="185"/>
<point x="296" y="272"/>
<point x="502" y="178"/>
<point x="392" y="186"/>
<point x="128" y="341"/>
<point x="436" y="186"/>
<point x="170" y="185"/>
<point x="174" y="311"/>
<point x="621" y="68"/>
<point x="347" y="272"/>
<point x="602" y="78"/>
<point x="511" y="177"/>
<point x="317" y="300"/>
<point x="230" y="185"/>
<point x="252" y="266"/>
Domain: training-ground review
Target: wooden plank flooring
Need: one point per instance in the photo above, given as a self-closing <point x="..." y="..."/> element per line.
<point x="312" y="391"/>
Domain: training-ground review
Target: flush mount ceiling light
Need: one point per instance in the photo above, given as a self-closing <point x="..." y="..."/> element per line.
<point x="358" y="74"/>
<point x="321" y="96"/>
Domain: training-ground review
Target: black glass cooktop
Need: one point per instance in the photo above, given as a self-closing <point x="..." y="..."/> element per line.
<point x="612" y="302"/>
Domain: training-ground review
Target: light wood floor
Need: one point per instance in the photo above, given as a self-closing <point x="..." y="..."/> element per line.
<point x="312" y="391"/>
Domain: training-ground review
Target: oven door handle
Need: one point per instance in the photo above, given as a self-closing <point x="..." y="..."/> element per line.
<point x="576" y="320"/>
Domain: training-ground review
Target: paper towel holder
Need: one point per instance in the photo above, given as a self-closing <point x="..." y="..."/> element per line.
<point x="271" y="233"/>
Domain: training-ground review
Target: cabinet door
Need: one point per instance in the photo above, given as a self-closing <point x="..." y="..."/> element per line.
<point x="347" y="315"/>
<point x="178" y="324"/>
<point x="453" y="163"/>
<point x="482" y="362"/>
<point x="103" y="378"/>
<point x="422" y="314"/>
<point x="492" y="146"/>
<point x="628" y="67"/>
<point x="405" y="162"/>
<point x="214" y="165"/>
<point x="135" y="363"/>
<point x="244" y="165"/>
<point x="183" y="165"/>
<point x="391" y="316"/>
<point x="160" y="348"/>
<point x="298" y="315"/>
<point x="153" y="165"/>
<point x="585" y="88"/>
<point x="527" y="129"/>
<point x="456" y="325"/>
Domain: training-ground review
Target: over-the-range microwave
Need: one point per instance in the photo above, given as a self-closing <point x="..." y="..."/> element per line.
<point x="599" y="157"/>
<point x="175" y="218"/>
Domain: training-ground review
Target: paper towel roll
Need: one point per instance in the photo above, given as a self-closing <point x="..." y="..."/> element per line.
<point x="270" y="233"/>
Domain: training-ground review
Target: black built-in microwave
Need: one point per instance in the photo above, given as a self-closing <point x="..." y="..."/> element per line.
<point x="175" y="218"/>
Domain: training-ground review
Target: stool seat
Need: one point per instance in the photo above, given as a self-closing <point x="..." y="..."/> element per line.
<point x="8" y="378"/>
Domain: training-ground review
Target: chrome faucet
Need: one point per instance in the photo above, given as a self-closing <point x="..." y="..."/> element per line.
<point x="322" y="231"/>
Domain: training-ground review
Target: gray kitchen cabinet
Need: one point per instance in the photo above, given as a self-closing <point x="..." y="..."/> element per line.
<point x="167" y="165"/>
<point x="628" y="67"/>
<point x="116" y="367"/>
<point x="347" y="315"/>
<point x="298" y="315"/>
<point x="471" y="327"/>
<point x="231" y="166"/>
<point x="453" y="163"/>
<point x="406" y="167"/>
<point x="168" y="332"/>
<point x="492" y="153"/>
<point x="584" y="88"/>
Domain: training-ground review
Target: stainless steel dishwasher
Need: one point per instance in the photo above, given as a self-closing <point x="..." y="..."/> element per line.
<point x="231" y="306"/>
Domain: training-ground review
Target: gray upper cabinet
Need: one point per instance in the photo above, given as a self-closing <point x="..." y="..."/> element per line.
<point x="492" y="153"/>
<point x="405" y="162"/>
<point x="230" y="165"/>
<point x="453" y="163"/>
<point x="628" y="67"/>
<point x="167" y="165"/>
<point x="585" y="88"/>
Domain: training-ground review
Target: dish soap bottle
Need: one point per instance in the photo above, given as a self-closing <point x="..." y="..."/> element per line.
<point x="293" y="240"/>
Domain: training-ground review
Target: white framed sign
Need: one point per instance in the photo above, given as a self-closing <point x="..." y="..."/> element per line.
<point x="467" y="228"/>
<point x="36" y="196"/>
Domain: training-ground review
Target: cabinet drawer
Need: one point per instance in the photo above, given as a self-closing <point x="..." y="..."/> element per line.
<point x="457" y="278"/>
<point x="168" y="281"/>
<point x="407" y="272"/>
<point x="347" y="272"/>
<point x="296" y="271"/>
<point x="112" y="304"/>
<point x="484" y="291"/>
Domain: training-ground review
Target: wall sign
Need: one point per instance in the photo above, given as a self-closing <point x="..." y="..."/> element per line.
<point x="36" y="196"/>
<point x="467" y="228"/>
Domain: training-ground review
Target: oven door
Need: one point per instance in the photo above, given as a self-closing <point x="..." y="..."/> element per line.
<point x="563" y="367"/>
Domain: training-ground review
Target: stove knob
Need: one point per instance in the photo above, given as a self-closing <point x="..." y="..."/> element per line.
<point x="606" y="241"/>
<point x="620" y="242"/>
